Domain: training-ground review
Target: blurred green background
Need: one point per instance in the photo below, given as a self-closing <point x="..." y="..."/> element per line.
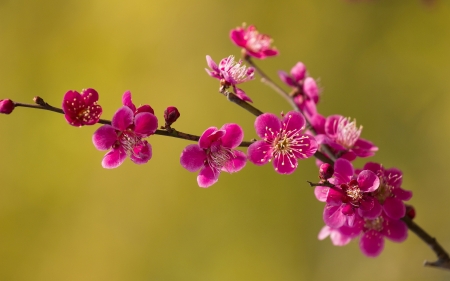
<point x="64" y="217"/>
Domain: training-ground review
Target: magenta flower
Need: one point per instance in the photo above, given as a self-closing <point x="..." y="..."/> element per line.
<point x="349" y="196"/>
<point x="343" y="136"/>
<point x="127" y="101"/>
<point x="255" y="44"/>
<point x="230" y="73"/>
<point x="306" y="87"/>
<point x="372" y="242"/>
<point x="81" y="109"/>
<point x="215" y="153"/>
<point x="390" y="194"/>
<point x="282" y="141"/>
<point x="6" y="106"/>
<point x="125" y="137"/>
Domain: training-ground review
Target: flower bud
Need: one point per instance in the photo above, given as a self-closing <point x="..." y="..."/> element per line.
<point x="6" y="106"/>
<point x="325" y="171"/>
<point x="410" y="212"/>
<point x="171" y="115"/>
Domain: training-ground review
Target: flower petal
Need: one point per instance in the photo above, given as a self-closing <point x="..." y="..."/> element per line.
<point x="298" y="71"/>
<point x="242" y="95"/>
<point x="321" y="193"/>
<point x="89" y="96"/>
<point x="402" y="194"/>
<point x="237" y="36"/>
<point x="285" y="164"/>
<point x="145" y="124"/>
<point x="267" y="125"/>
<point x="364" y="148"/>
<point x="123" y="118"/>
<point x="142" y="153"/>
<point x="306" y="147"/>
<point x="333" y="216"/>
<point x="206" y="140"/>
<point x="311" y="90"/>
<point x="372" y="209"/>
<point x="192" y="158"/>
<point x="207" y="177"/>
<point x="371" y="243"/>
<point x="293" y="121"/>
<point x="286" y="78"/>
<point x="331" y="125"/>
<point x="343" y="171"/>
<point x="259" y="153"/>
<point x="395" y="230"/>
<point x="104" y="137"/>
<point x="368" y="181"/>
<point x="126" y="100"/>
<point x="114" y="158"/>
<point x="394" y="208"/>
<point x="235" y="164"/>
<point x="233" y="135"/>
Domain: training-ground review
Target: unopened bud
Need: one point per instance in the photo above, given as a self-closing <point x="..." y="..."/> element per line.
<point x="410" y="212"/>
<point x="171" y="115"/>
<point x="325" y="171"/>
<point x="6" y="106"/>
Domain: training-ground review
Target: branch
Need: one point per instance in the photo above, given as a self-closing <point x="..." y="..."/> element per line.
<point x="443" y="258"/>
<point x="245" y="105"/>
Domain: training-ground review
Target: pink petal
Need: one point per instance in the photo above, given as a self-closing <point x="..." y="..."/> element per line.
<point x="242" y="95"/>
<point x="237" y="36"/>
<point x="374" y="167"/>
<point x="402" y="194"/>
<point x="321" y="193"/>
<point x="141" y="153"/>
<point x="368" y="181"/>
<point x="126" y="100"/>
<point x="324" y="232"/>
<point x="286" y="79"/>
<point x="211" y="64"/>
<point x="298" y="71"/>
<point x="334" y="197"/>
<point x="372" y="209"/>
<point x="333" y="216"/>
<point x="394" y="176"/>
<point x="285" y="164"/>
<point x="145" y="124"/>
<point x="347" y="210"/>
<point x="343" y="171"/>
<point x="209" y="136"/>
<point x="144" y="108"/>
<point x="269" y="53"/>
<point x="267" y="123"/>
<point x="123" y="118"/>
<point x="207" y="177"/>
<point x="192" y="158"/>
<point x="331" y="125"/>
<point x="259" y="153"/>
<point x="306" y="147"/>
<point x="104" y="137"/>
<point x="367" y="203"/>
<point x="364" y="148"/>
<point x="89" y="96"/>
<point x="237" y="163"/>
<point x="395" y="230"/>
<point x="233" y="135"/>
<point x="293" y="121"/>
<point x="114" y="158"/>
<point x="371" y="243"/>
<point x="311" y="90"/>
<point x="394" y="208"/>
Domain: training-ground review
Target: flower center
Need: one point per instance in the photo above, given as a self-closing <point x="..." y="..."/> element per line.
<point x="347" y="132"/>
<point x="218" y="156"/>
<point x="375" y="224"/>
<point x="353" y="192"/>
<point x="257" y="42"/>
<point x="129" y="140"/>
<point x="234" y="70"/>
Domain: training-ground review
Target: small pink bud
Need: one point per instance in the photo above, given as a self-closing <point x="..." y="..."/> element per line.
<point x="6" y="106"/>
<point x="171" y="115"/>
<point x="326" y="171"/>
<point x="410" y="212"/>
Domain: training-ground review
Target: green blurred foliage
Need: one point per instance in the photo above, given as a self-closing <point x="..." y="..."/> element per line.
<point x="63" y="217"/>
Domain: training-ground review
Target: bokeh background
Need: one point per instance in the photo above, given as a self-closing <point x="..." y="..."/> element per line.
<point x="64" y="217"/>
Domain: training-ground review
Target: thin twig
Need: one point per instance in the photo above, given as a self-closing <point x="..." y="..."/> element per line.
<point x="245" y="105"/>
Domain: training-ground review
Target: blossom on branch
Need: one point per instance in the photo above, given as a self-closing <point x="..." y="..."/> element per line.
<point x="125" y="137"/>
<point x="230" y="73"/>
<point x="282" y="141"/>
<point x="215" y="153"/>
<point x="253" y="43"/>
<point x="81" y="109"/>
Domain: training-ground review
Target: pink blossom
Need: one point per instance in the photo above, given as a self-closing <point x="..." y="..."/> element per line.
<point x="390" y="194"/>
<point x="343" y="136"/>
<point x="6" y="106"/>
<point x="306" y="87"/>
<point x="215" y="153"/>
<point x="81" y="109"/>
<point x="350" y="196"/>
<point x="255" y="44"/>
<point x="127" y="101"/>
<point x="125" y="137"/>
<point x="374" y="230"/>
<point x="282" y="141"/>
<point x="230" y="73"/>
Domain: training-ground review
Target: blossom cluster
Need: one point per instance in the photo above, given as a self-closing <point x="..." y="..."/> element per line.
<point x="368" y="203"/>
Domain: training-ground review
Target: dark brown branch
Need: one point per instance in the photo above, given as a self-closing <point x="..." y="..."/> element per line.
<point x="245" y="105"/>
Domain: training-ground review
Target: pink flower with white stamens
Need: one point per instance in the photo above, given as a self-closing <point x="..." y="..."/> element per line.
<point x="230" y="73"/>
<point x="282" y="141"/>
<point x="125" y="137"/>
<point x="81" y="109"/>
<point x="254" y="43"/>
<point x="215" y="153"/>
